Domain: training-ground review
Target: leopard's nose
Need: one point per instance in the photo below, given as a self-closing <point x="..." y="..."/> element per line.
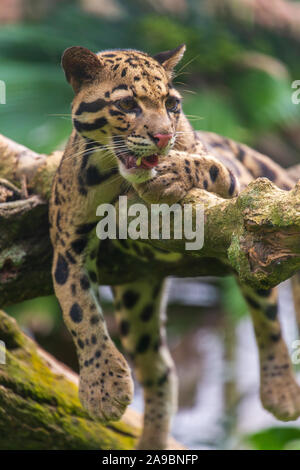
<point x="162" y="140"/>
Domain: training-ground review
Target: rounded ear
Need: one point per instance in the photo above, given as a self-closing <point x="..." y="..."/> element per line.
<point x="80" y="66"/>
<point x="169" y="59"/>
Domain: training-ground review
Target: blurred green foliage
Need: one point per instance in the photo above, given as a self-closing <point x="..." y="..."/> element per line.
<point x="277" y="438"/>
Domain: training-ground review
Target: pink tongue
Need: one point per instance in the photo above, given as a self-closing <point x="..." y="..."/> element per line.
<point x="149" y="162"/>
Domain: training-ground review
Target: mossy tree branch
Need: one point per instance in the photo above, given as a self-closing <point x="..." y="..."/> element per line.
<point x="39" y="405"/>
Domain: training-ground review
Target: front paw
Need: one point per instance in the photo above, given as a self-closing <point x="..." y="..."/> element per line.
<point x="161" y="191"/>
<point x="166" y="187"/>
<point x="106" y="386"/>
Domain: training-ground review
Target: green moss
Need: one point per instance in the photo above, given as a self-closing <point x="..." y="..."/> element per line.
<point x="235" y="256"/>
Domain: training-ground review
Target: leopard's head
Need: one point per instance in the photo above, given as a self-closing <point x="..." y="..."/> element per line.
<point x="125" y="101"/>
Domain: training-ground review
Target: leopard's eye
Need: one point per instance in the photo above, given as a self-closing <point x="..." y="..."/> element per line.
<point x="128" y="104"/>
<point x="172" y="103"/>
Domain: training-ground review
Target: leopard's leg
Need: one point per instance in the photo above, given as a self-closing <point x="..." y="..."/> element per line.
<point x="106" y="386"/>
<point x="179" y="172"/>
<point x="280" y="393"/>
<point x="141" y="318"/>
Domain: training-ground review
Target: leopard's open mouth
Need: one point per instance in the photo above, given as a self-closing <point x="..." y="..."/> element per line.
<point x="131" y="161"/>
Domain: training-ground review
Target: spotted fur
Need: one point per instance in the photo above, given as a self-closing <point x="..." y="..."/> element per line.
<point x="124" y="101"/>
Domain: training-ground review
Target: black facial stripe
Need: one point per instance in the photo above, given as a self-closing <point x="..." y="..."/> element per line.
<point x="120" y="87"/>
<point x="91" y="107"/>
<point x="93" y="126"/>
<point x="90" y="147"/>
<point x="93" y="176"/>
<point x="121" y="129"/>
<point x="118" y="140"/>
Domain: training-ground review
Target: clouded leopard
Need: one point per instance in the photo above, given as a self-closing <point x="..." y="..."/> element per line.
<point x="130" y="134"/>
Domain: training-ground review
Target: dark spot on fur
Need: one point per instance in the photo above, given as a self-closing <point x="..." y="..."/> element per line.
<point x="271" y="312"/>
<point x="93" y="276"/>
<point x="266" y="171"/>
<point x="275" y="337"/>
<point x="130" y="298"/>
<point x="252" y="302"/>
<point x="84" y="282"/>
<point x="147" y="312"/>
<point x="241" y="154"/>
<point x="79" y="245"/>
<point x="232" y="183"/>
<point x="70" y="257"/>
<point x="58" y="217"/>
<point x="124" y="327"/>
<point x="162" y="380"/>
<point x="213" y="171"/>
<point x="264" y="292"/>
<point x="94" y="319"/>
<point x="61" y="271"/>
<point x="76" y="313"/>
<point x="143" y="344"/>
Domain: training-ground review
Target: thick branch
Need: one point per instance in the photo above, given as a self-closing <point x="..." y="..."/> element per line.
<point x="255" y="235"/>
